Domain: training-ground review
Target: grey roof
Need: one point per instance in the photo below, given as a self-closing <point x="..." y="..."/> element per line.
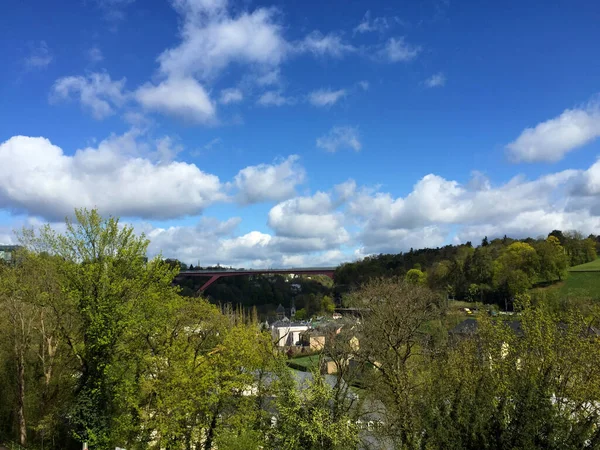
<point x="280" y="309"/>
<point x="287" y="323"/>
<point x="470" y="326"/>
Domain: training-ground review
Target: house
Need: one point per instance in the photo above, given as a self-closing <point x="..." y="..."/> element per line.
<point x="286" y="333"/>
<point x="469" y="327"/>
<point x="7" y="253"/>
<point x="314" y="340"/>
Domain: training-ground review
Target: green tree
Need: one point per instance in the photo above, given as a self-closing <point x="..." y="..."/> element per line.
<point x="327" y="305"/>
<point x="532" y="389"/>
<point x="306" y="417"/>
<point x="552" y="258"/>
<point x="415" y="276"/>
<point x="516" y="268"/>
<point x="108" y="289"/>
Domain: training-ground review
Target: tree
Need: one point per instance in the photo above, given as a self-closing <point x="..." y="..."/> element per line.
<point x="327" y="304"/>
<point x="393" y="339"/>
<point x="552" y="258"/>
<point x="108" y="289"/>
<point x="516" y="268"/>
<point x="306" y="417"/>
<point x="498" y="389"/>
<point x="415" y="276"/>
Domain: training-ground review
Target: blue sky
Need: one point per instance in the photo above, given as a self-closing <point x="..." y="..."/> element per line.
<point x="301" y="133"/>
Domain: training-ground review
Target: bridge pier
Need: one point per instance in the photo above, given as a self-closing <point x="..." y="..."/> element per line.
<point x="208" y="283"/>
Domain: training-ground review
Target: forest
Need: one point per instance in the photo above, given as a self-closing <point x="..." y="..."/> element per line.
<point x="100" y="346"/>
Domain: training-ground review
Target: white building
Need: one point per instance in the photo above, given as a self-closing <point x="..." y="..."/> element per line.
<point x="286" y="333"/>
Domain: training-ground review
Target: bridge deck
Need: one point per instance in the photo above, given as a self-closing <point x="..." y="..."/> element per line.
<point x="216" y="274"/>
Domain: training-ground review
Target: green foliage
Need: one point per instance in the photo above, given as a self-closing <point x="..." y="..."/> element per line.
<point x="415" y="276"/>
<point x="301" y="314"/>
<point x="498" y="268"/>
<point x="307" y="418"/>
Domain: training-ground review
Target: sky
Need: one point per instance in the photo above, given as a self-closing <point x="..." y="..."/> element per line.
<point x="301" y="133"/>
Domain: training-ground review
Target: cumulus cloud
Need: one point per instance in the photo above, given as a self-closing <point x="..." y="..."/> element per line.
<point x="340" y="138"/>
<point x="437" y="80"/>
<point x="213" y="242"/>
<point x="551" y="140"/>
<point x="520" y="208"/>
<point x="269" y="182"/>
<point x="231" y="95"/>
<point x="275" y="98"/>
<point x="398" y="50"/>
<point x="39" y="56"/>
<point x="96" y="92"/>
<point x="382" y="240"/>
<point x="212" y="39"/>
<point x="183" y="97"/>
<point x="326" y="97"/>
<point x="120" y="176"/>
<point x="437" y="200"/>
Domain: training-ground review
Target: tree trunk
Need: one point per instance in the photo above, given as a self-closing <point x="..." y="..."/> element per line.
<point x="211" y="432"/>
<point x="21" y="394"/>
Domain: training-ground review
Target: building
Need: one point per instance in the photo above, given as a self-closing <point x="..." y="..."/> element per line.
<point x="280" y="311"/>
<point x="7" y="253"/>
<point x="286" y="333"/>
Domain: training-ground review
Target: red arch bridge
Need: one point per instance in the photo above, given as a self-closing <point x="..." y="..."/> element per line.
<point x="216" y="274"/>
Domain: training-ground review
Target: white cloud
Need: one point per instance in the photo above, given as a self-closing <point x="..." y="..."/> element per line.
<point x="269" y="182"/>
<point x="326" y="97"/>
<point x="320" y="44"/>
<point x="309" y="217"/>
<point x="537" y="222"/>
<point x="120" y="176"/>
<point x="437" y="80"/>
<point x="398" y="50"/>
<point x="375" y="241"/>
<point x="95" y="55"/>
<point x="183" y="97"/>
<point x="435" y="200"/>
<point x="231" y="95"/>
<point x="364" y="85"/>
<point x="97" y="93"/>
<point x="435" y="206"/>
<point x="379" y="24"/>
<point x="212" y="242"/>
<point x="211" y="39"/>
<point x="275" y="98"/>
<point x="39" y="56"/>
<point x="550" y="141"/>
<point x="340" y="138"/>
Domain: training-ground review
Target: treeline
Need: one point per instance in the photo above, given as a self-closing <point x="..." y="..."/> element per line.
<point x="493" y="272"/>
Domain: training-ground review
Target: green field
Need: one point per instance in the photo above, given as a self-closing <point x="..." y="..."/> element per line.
<point x="304" y="363"/>
<point x="591" y="266"/>
<point x="578" y="285"/>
